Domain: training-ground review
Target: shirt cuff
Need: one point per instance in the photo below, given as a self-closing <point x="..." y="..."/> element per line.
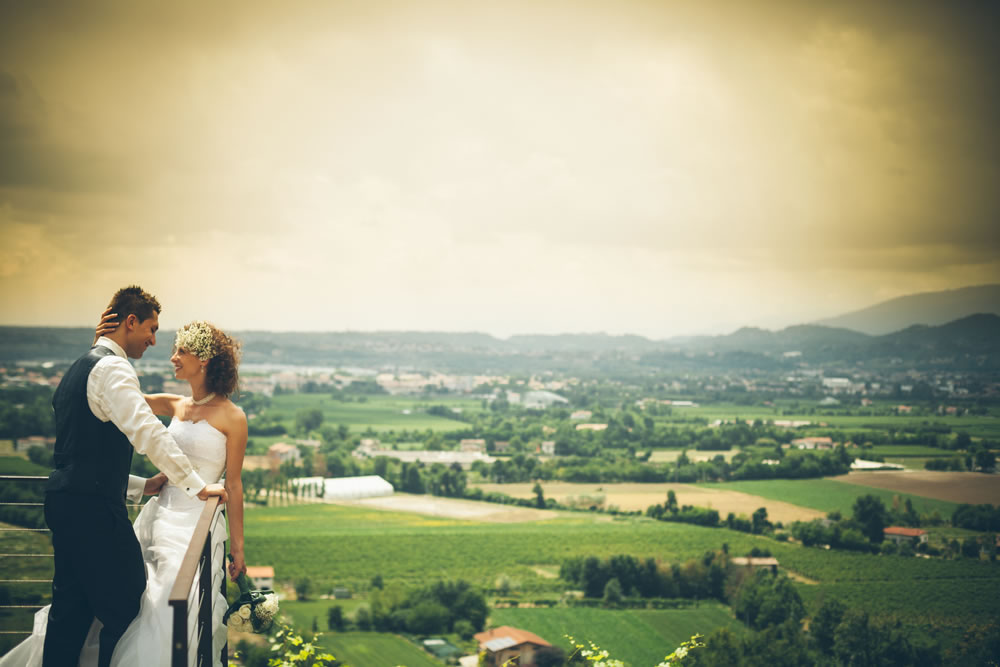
<point x="136" y="485"/>
<point x="192" y="484"/>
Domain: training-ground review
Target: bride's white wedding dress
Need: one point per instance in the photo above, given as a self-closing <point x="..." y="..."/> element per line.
<point x="163" y="528"/>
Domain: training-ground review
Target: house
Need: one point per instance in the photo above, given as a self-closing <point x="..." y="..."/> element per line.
<point x="501" y="446"/>
<point x="262" y="576"/>
<point x="472" y="445"/>
<point x="813" y="443"/>
<point x="282" y="452"/>
<point x="900" y="534"/>
<point x="506" y="643"/>
<point x="581" y="414"/>
<point x="756" y="563"/>
<point x="548" y="447"/>
<point x="591" y="427"/>
<point x="24" y="444"/>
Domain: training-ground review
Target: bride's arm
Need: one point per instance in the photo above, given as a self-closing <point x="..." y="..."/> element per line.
<point x="236" y="447"/>
<point x="163" y="405"/>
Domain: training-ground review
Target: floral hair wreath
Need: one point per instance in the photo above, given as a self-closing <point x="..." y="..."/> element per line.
<point x="197" y="339"/>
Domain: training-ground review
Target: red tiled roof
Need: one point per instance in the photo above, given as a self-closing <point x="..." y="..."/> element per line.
<point x="519" y="636"/>
<point x="904" y="532"/>
<point x="260" y="571"/>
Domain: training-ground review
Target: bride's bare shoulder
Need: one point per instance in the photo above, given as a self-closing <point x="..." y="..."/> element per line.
<point x="233" y="413"/>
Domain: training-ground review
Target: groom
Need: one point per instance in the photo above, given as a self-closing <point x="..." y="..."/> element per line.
<point x="101" y="417"/>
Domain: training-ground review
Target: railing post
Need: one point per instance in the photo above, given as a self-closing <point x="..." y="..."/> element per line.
<point x="205" y="606"/>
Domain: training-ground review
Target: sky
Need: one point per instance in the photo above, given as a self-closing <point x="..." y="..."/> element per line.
<point x="658" y="168"/>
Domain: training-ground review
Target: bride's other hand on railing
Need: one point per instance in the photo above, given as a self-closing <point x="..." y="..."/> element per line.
<point x="214" y="490"/>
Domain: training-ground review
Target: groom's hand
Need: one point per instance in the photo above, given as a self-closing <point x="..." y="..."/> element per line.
<point x="154" y="484"/>
<point x="214" y="490"/>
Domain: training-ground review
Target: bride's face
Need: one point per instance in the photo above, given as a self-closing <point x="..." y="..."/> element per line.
<point x="186" y="365"/>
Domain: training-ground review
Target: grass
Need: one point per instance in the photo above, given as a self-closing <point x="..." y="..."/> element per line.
<point x="380" y="413"/>
<point x="301" y="613"/>
<point x="828" y="495"/>
<point x="640" y="637"/>
<point x="15" y="465"/>
<point x="374" y="648"/>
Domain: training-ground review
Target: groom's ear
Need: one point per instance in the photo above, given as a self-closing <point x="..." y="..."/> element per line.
<point x="131" y="322"/>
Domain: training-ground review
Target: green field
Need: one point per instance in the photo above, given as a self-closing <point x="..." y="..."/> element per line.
<point x="301" y="613"/>
<point x="380" y="413"/>
<point x="375" y="649"/>
<point x="828" y="495"/>
<point x="348" y="546"/>
<point x="640" y="637"/>
<point x="984" y="426"/>
<point x="905" y="451"/>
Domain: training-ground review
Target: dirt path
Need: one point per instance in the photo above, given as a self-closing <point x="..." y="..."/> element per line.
<point x="454" y="509"/>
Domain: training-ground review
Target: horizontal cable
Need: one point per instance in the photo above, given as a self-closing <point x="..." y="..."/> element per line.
<point x="27" y="555"/>
<point x="21" y="606"/>
<point x="26" y="530"/>
<point x="25" y="581"/>
<point x="28" y="478"/>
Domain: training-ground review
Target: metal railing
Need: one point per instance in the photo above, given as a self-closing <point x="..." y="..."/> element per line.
<point x="8" y="558"/>
<point x="191" y="643"/>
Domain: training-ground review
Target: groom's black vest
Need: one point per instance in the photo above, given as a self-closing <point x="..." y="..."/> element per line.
<point x="91" y="457"/>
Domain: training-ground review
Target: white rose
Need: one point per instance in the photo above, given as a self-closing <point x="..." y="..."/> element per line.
<point x="245" y="611"/>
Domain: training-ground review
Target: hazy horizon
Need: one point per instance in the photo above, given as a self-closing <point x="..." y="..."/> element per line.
<point x="653" y="168"/>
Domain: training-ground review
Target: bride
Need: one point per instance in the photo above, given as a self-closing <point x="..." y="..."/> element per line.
<point x="212" y="432"/>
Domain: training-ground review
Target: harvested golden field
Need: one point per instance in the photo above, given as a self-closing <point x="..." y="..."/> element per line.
<point x="630" y="496"/>
<point x="958" y="487"/>
<point x="452" y="508"/>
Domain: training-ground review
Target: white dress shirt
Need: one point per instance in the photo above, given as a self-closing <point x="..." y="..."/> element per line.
<point x="114" y="395"/>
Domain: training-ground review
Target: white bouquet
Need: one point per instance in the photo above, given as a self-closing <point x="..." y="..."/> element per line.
<point x="254" y="611"/>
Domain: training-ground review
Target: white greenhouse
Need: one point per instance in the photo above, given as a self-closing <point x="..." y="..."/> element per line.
<point x="346" y="488"/>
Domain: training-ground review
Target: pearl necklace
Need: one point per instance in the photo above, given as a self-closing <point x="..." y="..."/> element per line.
<point x="203" y="401"/>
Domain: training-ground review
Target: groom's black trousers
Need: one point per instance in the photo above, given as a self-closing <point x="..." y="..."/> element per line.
<point x="99" y="573"/>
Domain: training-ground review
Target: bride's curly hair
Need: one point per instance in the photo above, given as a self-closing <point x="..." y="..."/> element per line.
<point x="222" y="373"/>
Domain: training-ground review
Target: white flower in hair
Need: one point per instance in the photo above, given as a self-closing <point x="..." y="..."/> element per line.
<point x="197" y="339"/>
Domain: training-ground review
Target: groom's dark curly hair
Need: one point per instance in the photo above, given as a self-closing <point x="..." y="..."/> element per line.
<point x="133" y="300"/>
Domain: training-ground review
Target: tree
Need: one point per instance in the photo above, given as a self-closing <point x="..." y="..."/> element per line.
<point x="308" y="420"/>
<point x="759" y="521"/>
<point x="539" y="496"/>
<point x="871" y="515"/>
<point x="377" y="582"/>
<point x="303" y="587"/>
<point x="671" y="501"/>
<point x="612" y="593"/>
<point x="824" y="624"/>
<point x="335" y="618"/>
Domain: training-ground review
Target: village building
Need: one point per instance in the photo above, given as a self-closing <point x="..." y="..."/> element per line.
<point x="505" y="644"/>
<point x="261" y="576"/>
<point x="900" y="534"/>
<point x="282" y="452"/>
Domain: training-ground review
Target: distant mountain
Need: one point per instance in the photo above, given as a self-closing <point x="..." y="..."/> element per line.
<point x="971" y="343"/>
<point x="928" y="308"/>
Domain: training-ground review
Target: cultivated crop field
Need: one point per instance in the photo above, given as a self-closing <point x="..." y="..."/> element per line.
<point x="375" y="648"/>
<point x="634" y="496"/>
<point x="827" y="495"/>
<point x="340" y="545"/>
<point x="640" y="637"/>
<point x="454" y="508"/>
<point x="380" y="413"/>
<point x="956" y="487"/>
